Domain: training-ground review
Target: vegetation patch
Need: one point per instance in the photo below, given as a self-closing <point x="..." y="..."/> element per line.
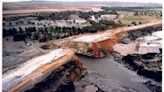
<point x="135" y="20"/>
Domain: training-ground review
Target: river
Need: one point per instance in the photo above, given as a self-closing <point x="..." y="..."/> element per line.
<point x="114" y="70"/>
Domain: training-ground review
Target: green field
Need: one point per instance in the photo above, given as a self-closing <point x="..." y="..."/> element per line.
<point x="127" y="20"/>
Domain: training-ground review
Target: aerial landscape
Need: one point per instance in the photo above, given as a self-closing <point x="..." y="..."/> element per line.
<point x="81" y="46"/>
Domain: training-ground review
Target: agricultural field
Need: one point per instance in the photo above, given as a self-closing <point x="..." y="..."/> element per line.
<point x="134" y="20"/>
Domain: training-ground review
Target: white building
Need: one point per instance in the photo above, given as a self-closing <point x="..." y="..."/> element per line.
<point x="107" y="17"/>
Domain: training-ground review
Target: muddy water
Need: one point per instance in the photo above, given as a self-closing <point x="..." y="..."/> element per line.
<point x="115" y="71"/>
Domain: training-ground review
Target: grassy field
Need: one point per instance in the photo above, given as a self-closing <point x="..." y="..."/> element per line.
<point x="127" y="20"/>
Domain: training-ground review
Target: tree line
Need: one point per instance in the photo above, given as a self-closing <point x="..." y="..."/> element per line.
<point x="46" y="33"/>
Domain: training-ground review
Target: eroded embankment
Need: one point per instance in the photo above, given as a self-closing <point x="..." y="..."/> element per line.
<point x="41" y="69"/>
<point x="138" y="47"/>
<point x="142" y="53"/>
<point x="97" y="44"/>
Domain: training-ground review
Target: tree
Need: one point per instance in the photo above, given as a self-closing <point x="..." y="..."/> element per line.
<point x="20" y="30"/>
<point x="140" y="22"/>
<point x="120" y="23"/>
<point x="19" y="37"/>
<point x="134" y="23"/>
<point x="114" y="12"/>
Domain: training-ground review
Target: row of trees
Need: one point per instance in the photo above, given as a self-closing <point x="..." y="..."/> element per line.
<point x="48" y="33"/>
<point x="148" y="12"/>
<point x="41" y="34"/>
